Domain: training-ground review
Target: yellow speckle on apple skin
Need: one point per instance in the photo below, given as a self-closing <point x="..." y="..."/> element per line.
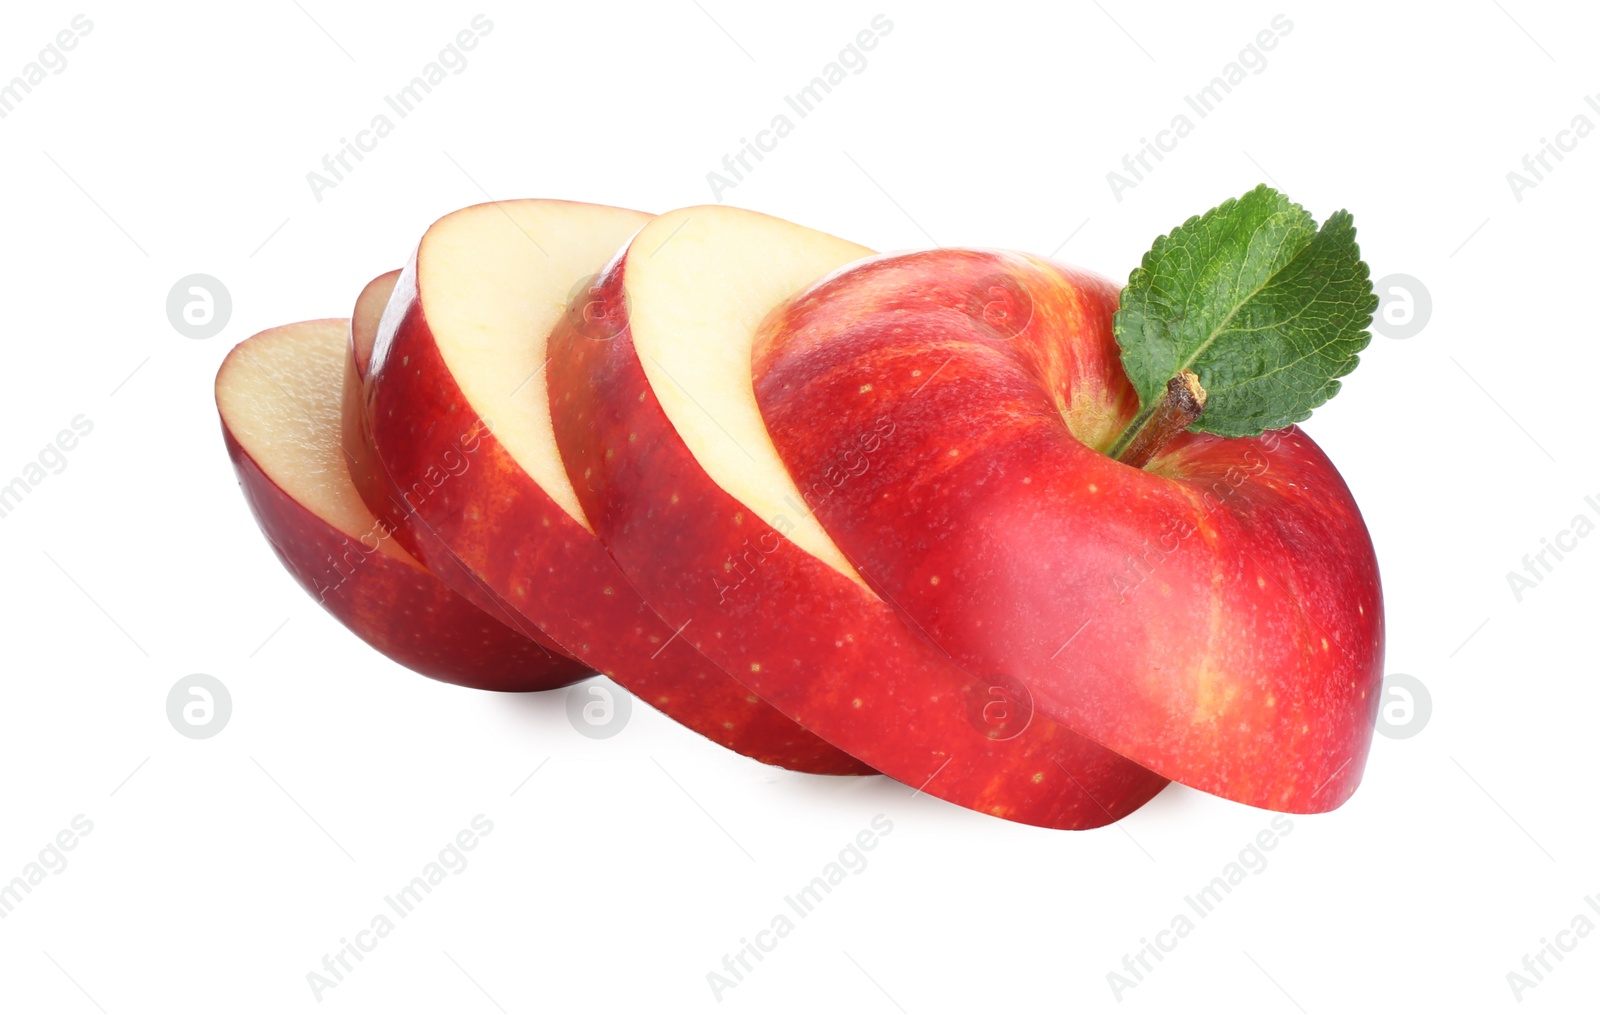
<point x="856" y="703"/>
<point x="1261" y="582"/>
<point x="1324" y="644"/>
<point x="934" y="579"/>
<point x="755" y="666"/>
<point x="1038" y="776"/>
<point x="1093" y="488"/>
<point x="864" y="388"/>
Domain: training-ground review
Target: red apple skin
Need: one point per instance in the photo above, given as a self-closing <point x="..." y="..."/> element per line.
<point x="490" y="521"/>
<point x="1216" y="617"/>
<point x="817" y="645"/>
<point x="400" y="609"/>
<point x="378" y="490"/>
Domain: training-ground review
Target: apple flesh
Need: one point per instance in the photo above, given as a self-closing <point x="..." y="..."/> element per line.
<point x="1215" y="616"/>
<point x="658" y="426"/>
<point x="279" y="397"/>
<point x="463" y="460"/>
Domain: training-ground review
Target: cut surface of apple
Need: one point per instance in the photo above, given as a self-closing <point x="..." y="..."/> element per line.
<point x="459" y="426"/>
<point x="660" y="432"/>
<point x="1215" y="616"/>
<point x="279" y="395"/>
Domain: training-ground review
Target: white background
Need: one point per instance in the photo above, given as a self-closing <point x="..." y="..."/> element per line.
<point x="219" y="872"/>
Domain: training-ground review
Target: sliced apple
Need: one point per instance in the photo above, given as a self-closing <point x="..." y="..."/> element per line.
<point x="365" y="468"/>
<point x="279" y="396"/>
<point x="465" y="463"/>
<point x="665" y="446"/>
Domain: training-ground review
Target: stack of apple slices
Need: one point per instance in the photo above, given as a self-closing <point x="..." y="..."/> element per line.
<point x="836" y="512"/>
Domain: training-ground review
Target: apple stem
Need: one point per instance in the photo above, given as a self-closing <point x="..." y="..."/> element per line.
<point x="1146" y="435"/>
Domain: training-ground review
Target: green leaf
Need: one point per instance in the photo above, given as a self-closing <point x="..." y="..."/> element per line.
<point x="1269" y="310"/>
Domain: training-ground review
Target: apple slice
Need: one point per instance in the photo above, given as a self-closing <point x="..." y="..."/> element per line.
<point x="660" y="433"/>
<point x="459" y="417"/>
<point x="377" y="488"/>
<point x="366" y="471"/>
<point x="364" y="321"/>
<point x="1215" y="616"/>
<point x="278" y="394"/>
